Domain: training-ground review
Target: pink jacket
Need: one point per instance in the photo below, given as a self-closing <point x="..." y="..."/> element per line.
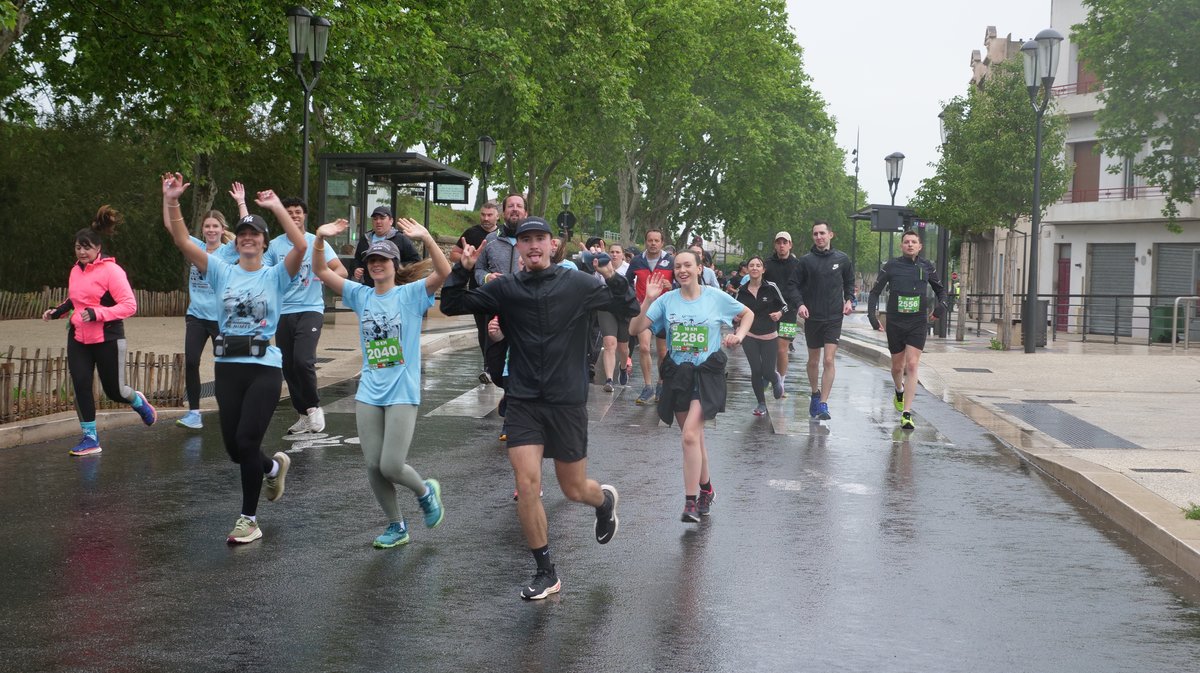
<point x="102" y="289"/>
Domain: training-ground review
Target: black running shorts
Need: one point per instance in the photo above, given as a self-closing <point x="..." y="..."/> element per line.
<point x="562" y="431"/>
<point x="818" y="333"/>
<point x="903" y="332"/>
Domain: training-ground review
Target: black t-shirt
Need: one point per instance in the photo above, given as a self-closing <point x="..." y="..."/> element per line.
<point x="475" y="235"/>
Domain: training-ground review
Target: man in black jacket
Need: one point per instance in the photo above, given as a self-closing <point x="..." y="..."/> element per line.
<point x="382" y="230"/>
<point x="546" y="312"/>
<point x="826" y="279"/>
<point x="781" y="269"/>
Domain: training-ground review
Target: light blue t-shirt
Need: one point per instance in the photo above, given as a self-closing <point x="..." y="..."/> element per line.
<point x="305" y="293"/>
<point x="390" y="332"/>
<point x="202" y="301"/>
<point x="693" y="328"/>
<point x="249" y="304"/>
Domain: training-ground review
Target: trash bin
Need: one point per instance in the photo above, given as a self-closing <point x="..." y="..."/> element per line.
<point x="1160" y="324"/>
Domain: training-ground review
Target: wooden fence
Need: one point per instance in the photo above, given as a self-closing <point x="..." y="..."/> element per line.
<point x="41" y="384"/>
<point x="26" y="305"/>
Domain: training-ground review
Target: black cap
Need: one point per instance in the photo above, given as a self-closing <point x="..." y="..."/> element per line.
<point x="381" y="210"/>
<point x="384" y="248"/>
<point x="531" y="224"/>
<point x="253" y="221"/>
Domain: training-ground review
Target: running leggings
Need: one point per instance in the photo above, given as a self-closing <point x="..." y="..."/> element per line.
<point x="246" y="399"/>
<point x="195" y="338"/>
<point x="761" y="353"/>
<point x="84" y="361"/>
<point x="297" y="336"/>
<point x="385" y="433"/>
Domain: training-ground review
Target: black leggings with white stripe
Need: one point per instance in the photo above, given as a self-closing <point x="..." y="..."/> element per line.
<point x="84" y="361"/>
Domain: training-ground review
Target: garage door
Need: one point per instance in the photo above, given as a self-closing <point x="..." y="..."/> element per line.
<point x="1175" y="274"/>
<point x="1110" y="266"/>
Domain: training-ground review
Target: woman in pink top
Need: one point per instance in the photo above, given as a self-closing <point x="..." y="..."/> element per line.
<point x="99" y="299"/>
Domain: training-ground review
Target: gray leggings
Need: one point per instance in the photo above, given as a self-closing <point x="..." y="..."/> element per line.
<point x="385" y="434"/>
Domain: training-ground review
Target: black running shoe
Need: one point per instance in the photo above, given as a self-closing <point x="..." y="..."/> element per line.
<point x="705" y="501"/>
<point x="544" y="583"/>
<point x="606" y="516"/>
<point x="691" y="513"/>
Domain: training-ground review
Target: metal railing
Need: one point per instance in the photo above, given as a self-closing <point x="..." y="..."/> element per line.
<point x="1147" y="318"/>
<point x="1077" y="88"/>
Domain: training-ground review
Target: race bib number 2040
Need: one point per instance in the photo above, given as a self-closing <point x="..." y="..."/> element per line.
<point x="384" y="353"/>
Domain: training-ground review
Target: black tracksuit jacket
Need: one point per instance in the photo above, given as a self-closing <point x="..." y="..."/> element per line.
<point x="826" y="283"/>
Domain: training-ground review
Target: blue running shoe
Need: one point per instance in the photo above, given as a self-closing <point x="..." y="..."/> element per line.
<point x="146" y="411"/>
<point x="191" y="420"/>
<point x="87" y="446"/>
<point x="395" y="535"/>
<point x="823" y="411"/>
<point x="813" y="403"/>
<point x="623" y="377"/>
<point x="431" y="503"/>
<point x="647" y="396"/>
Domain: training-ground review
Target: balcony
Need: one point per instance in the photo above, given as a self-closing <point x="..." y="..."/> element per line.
<point x="1077" y="88"/>
<point x="1115" y="205"/>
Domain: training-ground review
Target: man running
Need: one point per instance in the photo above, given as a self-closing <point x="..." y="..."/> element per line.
<point x="909" y="277"/>
<point x="781" y="269"/>
<point x="546" y="312"/>
<point x="826" y="284"/>
<point x="656" y="263"/>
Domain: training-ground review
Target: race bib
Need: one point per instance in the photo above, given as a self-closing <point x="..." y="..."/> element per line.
<point x="384" y="353"/>
<point x="689" y="338"/>
<point x="787" y="330"/>
<point x="908" y="303"/>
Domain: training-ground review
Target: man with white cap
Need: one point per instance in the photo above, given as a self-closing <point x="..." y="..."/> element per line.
<point x="782" y="268"/>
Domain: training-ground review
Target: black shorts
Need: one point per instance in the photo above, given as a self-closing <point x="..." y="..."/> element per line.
<point x="790" y="316"/>
<point x="903" y="332"/>
<point x="682" y="403"/>
<point x="611" y="326"/>
<point x="818" y="333"/>
<point x="562" y="431"/>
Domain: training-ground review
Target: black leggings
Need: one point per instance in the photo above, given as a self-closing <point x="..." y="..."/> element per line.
<point x="762" y="354"/>
<point x="197" y="332"/>
<point x="297" y="336"/>
<point x="246" y="398"/>
<point x="84" y="361"/>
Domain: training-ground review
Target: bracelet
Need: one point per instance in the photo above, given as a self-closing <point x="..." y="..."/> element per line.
<point x="178" y="219"/>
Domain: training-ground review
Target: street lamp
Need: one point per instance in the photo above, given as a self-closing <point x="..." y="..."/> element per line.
<point x="598" y="213"/>
<point x="566" y="193"/>
<point x="895" y="166"/>
<point x="487" y="152"/>
<point x="566" y="219"/>
<point x="308" y="35"/>
<point x="1041" y="63"/>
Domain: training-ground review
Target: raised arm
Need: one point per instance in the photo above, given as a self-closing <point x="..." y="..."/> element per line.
<point x="655" y="287"/>
<point x="173" y="187"/>
<point x="295" y="256"/>
<point x="332" y="279"/>
<point x="238" y="192"/>
<point x="441" y="266"/>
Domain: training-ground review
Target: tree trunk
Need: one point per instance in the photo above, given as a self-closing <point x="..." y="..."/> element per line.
<point x="629" y="195"/>
<point x="204" y="190"/>
<point x="960" y="302"/>
<point x="1009" y="289"/>
<point x="9" y="37"/>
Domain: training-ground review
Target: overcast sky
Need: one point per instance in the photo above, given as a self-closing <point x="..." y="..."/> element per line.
<point x="885" y="66"/>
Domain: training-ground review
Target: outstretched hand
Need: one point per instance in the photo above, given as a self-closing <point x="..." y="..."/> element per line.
<point x="331" y="229"/>
<point x="412" y="229"/>
<point x="267" y="199"/>
<point x="657" y="285"/>
<point x="470" y="253"/>
<point x="238" y="192"/>
<point x="173" y="186"/>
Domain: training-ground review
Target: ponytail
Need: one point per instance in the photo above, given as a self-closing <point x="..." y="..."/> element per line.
<point x="104" y="224"/>
<point x="410" y="273"/>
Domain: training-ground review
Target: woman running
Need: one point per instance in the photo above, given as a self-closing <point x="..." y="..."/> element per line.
<point x="248" y="366"/>
<point x="764" y="298"/>
<point x="694" y="375"/>
<point x="200" y="323"/>
<point x="99" y="295"/>
<point x="389" y="391"/>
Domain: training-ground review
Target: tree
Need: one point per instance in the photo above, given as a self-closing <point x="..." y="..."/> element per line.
<point x="1145" y="53"/>
<point x="984" y="178"/>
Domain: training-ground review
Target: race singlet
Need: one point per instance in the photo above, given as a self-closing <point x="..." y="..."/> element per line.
<point x="908" y="303"/>
<point x="383" y="353"/>
<point x="689" y="338"/>
<point x="787" y="330"/>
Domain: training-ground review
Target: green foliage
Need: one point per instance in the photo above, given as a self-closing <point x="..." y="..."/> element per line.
<point x="1145" y="53"/>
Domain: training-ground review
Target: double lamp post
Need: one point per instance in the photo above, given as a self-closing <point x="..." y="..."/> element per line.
<point x="308" y="35"/>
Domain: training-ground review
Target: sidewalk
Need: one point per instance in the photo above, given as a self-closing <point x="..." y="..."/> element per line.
<point x="1117" y="424"/>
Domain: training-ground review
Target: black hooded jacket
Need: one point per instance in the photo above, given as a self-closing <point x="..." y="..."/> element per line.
<point x="826" y="281"/>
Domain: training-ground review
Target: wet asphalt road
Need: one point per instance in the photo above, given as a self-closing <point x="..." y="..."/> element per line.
<point x="850" y="546"/>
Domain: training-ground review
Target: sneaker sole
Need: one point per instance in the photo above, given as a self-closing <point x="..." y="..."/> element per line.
<point x="256" y="535"/>
<point x="436" y="487"/>
<point x="285" y="462"/>
<point x="86" y="452"/>
<point x="189" y="426"/>
<point x="383" y="545"/>
<point x="545" y="592"/>
<point x="616" y="522"/>
<point x="690" y="518"/>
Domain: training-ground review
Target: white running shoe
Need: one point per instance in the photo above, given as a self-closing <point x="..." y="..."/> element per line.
<point x="299" y="427"/>
<point x="316" y="419"/>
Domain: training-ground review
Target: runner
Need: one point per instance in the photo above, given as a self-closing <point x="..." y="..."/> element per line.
<point x="621" y="264"/>
<point x="301" y="319"/>
<point x="607" y="323"/>
<point x="826" y="280"/>
<point x="389" y="390"/>
<point x="99" y="299"/>
<point x="694" y="374"/>
<point x="781" y="270"/>
<point x="200" y="323"/>
<point x="654" y="263"/>
<point x="910" y="278"/>
<point x="545" y="311"/>
<point x="248" y="367"/>
<point x="764" y="298"/>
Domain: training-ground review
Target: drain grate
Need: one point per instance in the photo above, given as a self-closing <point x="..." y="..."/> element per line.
<point x="1159" y="470"/>
<point x="1048" y="401"/>
<point x="323" y="360"/>
<point x="342" y="350"/>
<point x="1074" y="432"/>
<point x="973" y="370"/>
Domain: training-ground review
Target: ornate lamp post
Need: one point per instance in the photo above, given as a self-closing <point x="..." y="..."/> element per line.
<point x="308" y="35"/>
<point x="1041" y="63"/>
<point x="895" y="166"/>
<point x="598" y="213"/>
<point x="566" y="219"/>
<point x="487" y="152"/>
